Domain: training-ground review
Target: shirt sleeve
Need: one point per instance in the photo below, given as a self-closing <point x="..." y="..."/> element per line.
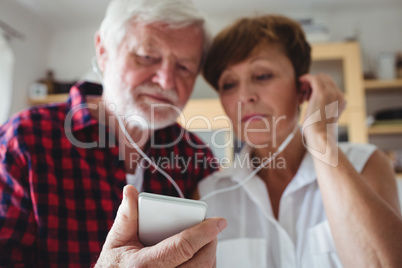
<point x="18" y="228"/>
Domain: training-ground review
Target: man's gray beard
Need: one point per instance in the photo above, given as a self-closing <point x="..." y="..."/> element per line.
<point x="140" y="114"/>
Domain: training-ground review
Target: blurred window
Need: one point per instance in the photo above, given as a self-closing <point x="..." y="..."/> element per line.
<point x="6" y="77"/>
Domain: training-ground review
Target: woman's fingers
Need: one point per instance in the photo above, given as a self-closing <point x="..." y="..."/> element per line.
<point x="324" y="92"/>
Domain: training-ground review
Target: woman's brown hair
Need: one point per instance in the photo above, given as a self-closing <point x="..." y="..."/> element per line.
<point x="238" y="41"/>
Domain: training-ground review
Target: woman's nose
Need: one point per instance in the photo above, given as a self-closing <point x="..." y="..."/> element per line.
<point x="247" y="93"/>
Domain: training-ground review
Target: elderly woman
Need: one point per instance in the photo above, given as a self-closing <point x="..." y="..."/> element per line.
<point x="312" y="202"/>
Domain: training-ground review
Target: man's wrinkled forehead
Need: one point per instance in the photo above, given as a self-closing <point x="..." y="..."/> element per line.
<point x="158" y="31"/>
<point x="158" y="37"/>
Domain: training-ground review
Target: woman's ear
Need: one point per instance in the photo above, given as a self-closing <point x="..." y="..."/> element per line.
<point x="101" y="52"/>
<point x="304" y="91"/>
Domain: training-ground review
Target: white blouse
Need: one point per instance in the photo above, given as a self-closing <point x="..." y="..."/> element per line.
<point x="301" y="236"/>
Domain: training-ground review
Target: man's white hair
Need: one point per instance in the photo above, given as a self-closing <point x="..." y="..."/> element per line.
<point x="174" y="13"/>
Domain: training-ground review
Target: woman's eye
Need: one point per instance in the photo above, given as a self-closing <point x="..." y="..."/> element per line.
<point x="263" y="77"/>
<point x="227" y="86"/>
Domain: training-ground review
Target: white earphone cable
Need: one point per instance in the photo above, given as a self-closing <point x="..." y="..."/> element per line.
<point x="251" y="175"/>
<point x="122" y="127"/>
<point x="148" y="159"/>
<point x="231" y="188"/>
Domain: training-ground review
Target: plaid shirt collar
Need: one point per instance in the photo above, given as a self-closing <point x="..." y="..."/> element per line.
<point x="77" y="106"/>
<point x="78" y="109"/>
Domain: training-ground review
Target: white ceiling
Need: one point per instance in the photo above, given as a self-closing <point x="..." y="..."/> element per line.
<point x="73" y="13"/>
<point x="67" y="13"/>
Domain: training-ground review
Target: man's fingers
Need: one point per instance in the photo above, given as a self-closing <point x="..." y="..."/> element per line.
<point x="205" y="257"/>
<point x="124" y="229"/>
<point x="173" y="251"/>
<point x="180" y="248"/>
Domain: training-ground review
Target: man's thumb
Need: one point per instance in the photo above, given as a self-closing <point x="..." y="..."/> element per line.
<point x="124" y="229"/>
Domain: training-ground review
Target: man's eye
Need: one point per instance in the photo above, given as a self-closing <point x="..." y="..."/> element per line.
<point x="146" y="59"/>
<point x="263" y="77"/>
<point x="187" y="70"/>
<point x="183" y="68"/>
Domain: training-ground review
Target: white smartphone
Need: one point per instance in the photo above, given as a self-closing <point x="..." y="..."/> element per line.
<point x="160" y="216"/>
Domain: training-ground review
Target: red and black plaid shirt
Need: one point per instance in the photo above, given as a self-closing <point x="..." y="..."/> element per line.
<point x="58" y="201"/>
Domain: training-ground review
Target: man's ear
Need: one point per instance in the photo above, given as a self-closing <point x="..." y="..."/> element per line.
<point x="101" y="52"/>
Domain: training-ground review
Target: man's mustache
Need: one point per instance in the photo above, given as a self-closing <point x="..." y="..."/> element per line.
<point x="169" y="94"/>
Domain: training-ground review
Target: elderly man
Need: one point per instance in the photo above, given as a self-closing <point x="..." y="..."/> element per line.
<point x="63" y="166"/>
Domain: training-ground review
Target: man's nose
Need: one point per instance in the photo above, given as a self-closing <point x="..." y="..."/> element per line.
<point x="165" y="76"/>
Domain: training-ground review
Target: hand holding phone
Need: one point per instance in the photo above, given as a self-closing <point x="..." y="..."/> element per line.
<point x="160" y="217"/>
<point x="200" y="241"/>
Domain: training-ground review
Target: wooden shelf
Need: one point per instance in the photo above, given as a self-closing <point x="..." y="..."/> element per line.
<point x="354" y="117"/>
<point x="386" y="129"/>
<point x="383" y="84"/>
<point x="49" y="99"/>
